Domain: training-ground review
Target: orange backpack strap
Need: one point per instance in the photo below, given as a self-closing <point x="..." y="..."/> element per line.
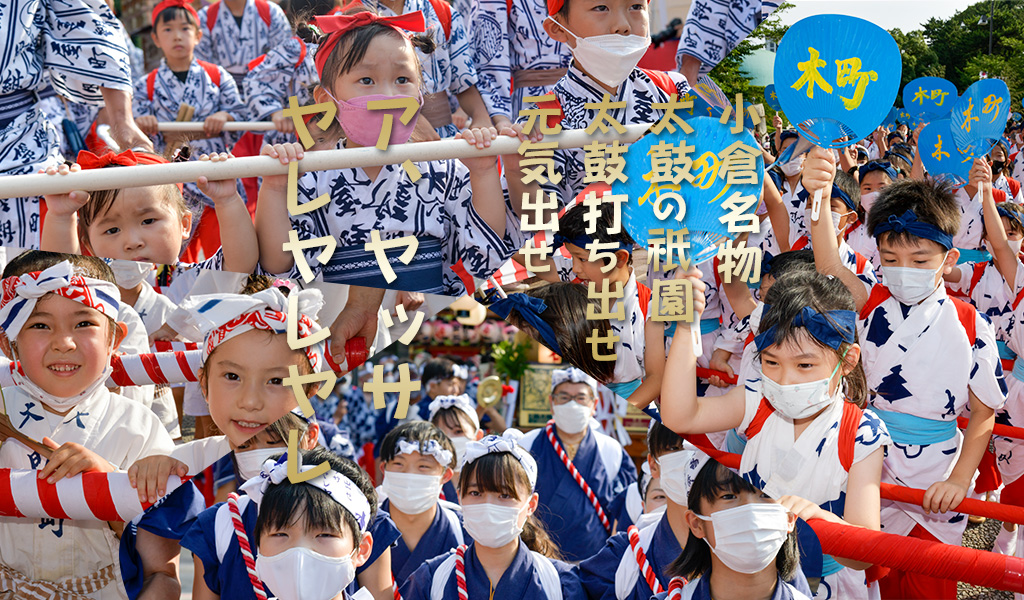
<point x="848" y="426"/>
<point x="861" y="262"/>
<point x="644" y="295"/>
<point x="151" y="84"/>
<point x="303" y="49"/>
<point x="967" y="314"/>
<point x="749" y="340"/>
<point x="553" y="120"/>
<point x="444" y="14"/>
<point x="801" y="243"/>
<point x="508" y="7"/>
<point x="879" y="294"/>
<point x="212" y="70"/>
<point x="979" y="270"/>
<point x="662" y="80"/>
<point x="999" y="196"/>
<point x="263" y="8"/>
<point x="257" y="61"/>
<point x="1014" y="186"/>
<point x="764" y="410"/>
<point x="1020" y="296"/>
<point x="211" y="16"/>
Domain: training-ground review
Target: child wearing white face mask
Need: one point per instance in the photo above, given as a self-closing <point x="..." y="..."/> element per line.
<point x="310" y="537"/>
<point x="510" y="555"/>
<point x="615" y="573"/>
<point x="457" y="418"/>
<point x="809" y="441"/>
<point x="918" y="391"/>
<point x="417" y="460"/>
<point x="576" y="510"/>
<point x="740" y="543"/>
<point x="872" y="178"/>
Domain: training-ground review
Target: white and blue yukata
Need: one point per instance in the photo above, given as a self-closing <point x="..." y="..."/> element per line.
<point x="233" y="47"/>
<point x="1009" y="451"/>
<point x="79" y="43"/>
<point x="449" y="69"/>
<point x="919" y="393"/>
<point x="1003" y="185"/>
<point x="575" y="90"/>
<point x="200" y="92"/>
<point x="969" y="240"/>
<point x="531" y="576"/>
<point x="509" y="42"/>
<point x="627" y="506"/>
<point x="444" y="534"/>
<point x="287" y="70"/>
<point x="567" y="514"/>
<point x="59" y="550"/>
<point x="437" y="209"/>
<point x="865" y="245"/>
<point x="714" y="28"/>
<point x="700" y="589"/>
<point x="857" y="263"/>
<point x="212" y="539"/>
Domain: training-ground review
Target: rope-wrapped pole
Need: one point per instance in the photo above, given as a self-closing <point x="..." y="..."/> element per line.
<point x="197" y="126"/>
<point x="977" y="567"/>
<point x="91" y="180"/>
<point x="1007" y="431"/>
<point x="85" y="497"/>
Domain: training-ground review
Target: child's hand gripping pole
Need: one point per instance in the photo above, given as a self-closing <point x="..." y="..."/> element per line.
<point x="819" y="181"/>
<point x="356" y="354"/>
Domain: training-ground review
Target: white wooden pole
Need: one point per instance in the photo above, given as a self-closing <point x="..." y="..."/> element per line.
<point x="197" y="126"/>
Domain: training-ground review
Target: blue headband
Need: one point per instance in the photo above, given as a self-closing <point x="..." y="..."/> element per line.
<point x="1014" y="216"/>
<point x="833" y="328"/>
<point x="837" y="192"/>
<point x="787" y="134"/>
<point x="529" y="308"/>
<point x="904" y="147"/>
<point x="909" y="223"/>
<point x="766" y="263"/>
<point x="582" y="240"/>
<point x="876" y="165"/>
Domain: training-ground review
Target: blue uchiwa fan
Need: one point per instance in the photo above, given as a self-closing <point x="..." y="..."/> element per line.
<point x="940" y="155"/>
<point x="770" y="98"/>
<point x="891" y="118"/>
<point x="1015" y="116"/>
<point x="702" y="198"/>
<point x="836" y="77"/>
<point x="979" y="117"/>
<point x="929" y="98"/>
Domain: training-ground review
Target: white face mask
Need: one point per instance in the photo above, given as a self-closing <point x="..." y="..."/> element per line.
<point x="649" y="518"/>
<point x="673" y="475"/>
<point x="492" y="525"/>
<point x="412" y="493"/>
<point x="909" y="285"/>
<point x="799" y="400"/>
<point x="301" y="574"/>
<point x="793" y="167"/>
<point x="1014" y="246"/>
<point x="129" y="273"/>
<point x="251" y="461"/>
<point x="571" y="417"/>
<point x="836" y="218"/>
<point x="56" y="402"/>
<point x="609" y="58"/>
<point x="867" y="200"/>
<point x="748" y="537"/>
<point x="460" y="447"/>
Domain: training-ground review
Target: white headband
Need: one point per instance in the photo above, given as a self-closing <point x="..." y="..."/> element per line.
<point x="572" y="375"/>
<point x="430" y="448"/>
<point x="506" y="442"/>
<point x="340" y="488"/>
<point x="21" y="292"/>
<point x="461" y="402"/>
<point x="693" y="467"/>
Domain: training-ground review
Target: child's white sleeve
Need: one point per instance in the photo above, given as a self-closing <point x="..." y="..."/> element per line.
<point x="199" y="454"/>
<point x="987" y="381"/>
<point x="713" y="28"/>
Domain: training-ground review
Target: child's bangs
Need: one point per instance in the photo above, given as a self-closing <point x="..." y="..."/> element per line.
<point x="498" y="472"/>
<point x="286" y="504"/>
<point x="712" y="481"/>
<point x="173" y="13"/>
<point x="454" y="419"/>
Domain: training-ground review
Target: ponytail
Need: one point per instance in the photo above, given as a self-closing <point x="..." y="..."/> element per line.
<point x="537" y="539"/>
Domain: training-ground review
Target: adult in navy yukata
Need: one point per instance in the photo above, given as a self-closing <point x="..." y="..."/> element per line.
<point x="417" y="459"/>
<point x="572" y="443"/>
<point x="80" y="44"/>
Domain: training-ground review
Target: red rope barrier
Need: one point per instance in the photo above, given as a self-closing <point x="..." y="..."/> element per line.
<point x="977" y="567"/>
<point x="1009" y="431"/>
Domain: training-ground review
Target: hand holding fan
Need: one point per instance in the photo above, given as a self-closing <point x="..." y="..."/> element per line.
<point x="704" y="167"/>
<point x="836" y="77"/>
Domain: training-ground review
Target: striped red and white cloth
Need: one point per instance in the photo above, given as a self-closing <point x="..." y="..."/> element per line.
<point x="641" y="560"/>
<point x="550" y="431"/>
<point x="244" y="547"/>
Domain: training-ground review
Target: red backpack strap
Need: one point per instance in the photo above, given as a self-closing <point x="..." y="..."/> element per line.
<point x="879" y="294"/>
<point x="979" y="271"/>
<point x="212" y="70"/>
<point x="848" y="426"/>
<point x="749" y="340"/>
<point x="508" y="7"/>
<point x="263" y="8"/>
<point x="999" y="196"/>
<point x="257" y="61"/>
<point x="303" y="49"/>
<point x="801" y="243"/>
<point x="764" y="410"/>
<point x="644" y="294"/>
<point x="553" y="120"/>
<point x="444" y="14"/>
<point x="151" y="84"/>
<point x="861" y="262"/>
<point x="1020" y="296"/>
<point x="967" y="314"/>
<point x="211" y="16"/>
<point x="718" y="276"/>
<point x="1014" y="186"/>
<point x="662" y="80"/>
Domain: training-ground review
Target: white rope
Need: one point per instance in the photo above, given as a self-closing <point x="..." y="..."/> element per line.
<point x="18" y="186"/>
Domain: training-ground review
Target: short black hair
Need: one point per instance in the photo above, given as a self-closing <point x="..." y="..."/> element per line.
<point x="437" y="368"/>
<point x="662" y="440"/>
<point x="32" y="261"/>
<point x="931" y="200"/>
<point x="172" y="13"/>
<point x="849" y="185"/>
<point x="793" y="260"/>
<point x="418" y="432"/>
<point x="573" y="223"/>
<point x="286" y="503"/>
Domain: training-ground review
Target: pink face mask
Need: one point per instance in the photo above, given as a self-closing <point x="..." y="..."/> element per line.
<point x="363" y="126"/>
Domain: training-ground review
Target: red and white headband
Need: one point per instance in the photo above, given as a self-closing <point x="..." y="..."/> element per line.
<point x="21" y="292"/>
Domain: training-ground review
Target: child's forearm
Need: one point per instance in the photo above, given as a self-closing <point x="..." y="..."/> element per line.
<point x="778" y="216"/>
<point x="60" y="234"/>
<point x="238" y="236"/>
<point x="488" y="198"/>
<point x="976" y="438"/>
<point x="473" y="103"/>
<point x="654" y="365"/>
<point x="826" y="254"/>
<point x="917" y="169"/>
<point x="1005" y="260"/>
<point x="679" y="402"/>
<point x="272" y="226"/>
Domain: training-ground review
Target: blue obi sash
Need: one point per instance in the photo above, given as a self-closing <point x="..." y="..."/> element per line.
<point x="356" y="266"/>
